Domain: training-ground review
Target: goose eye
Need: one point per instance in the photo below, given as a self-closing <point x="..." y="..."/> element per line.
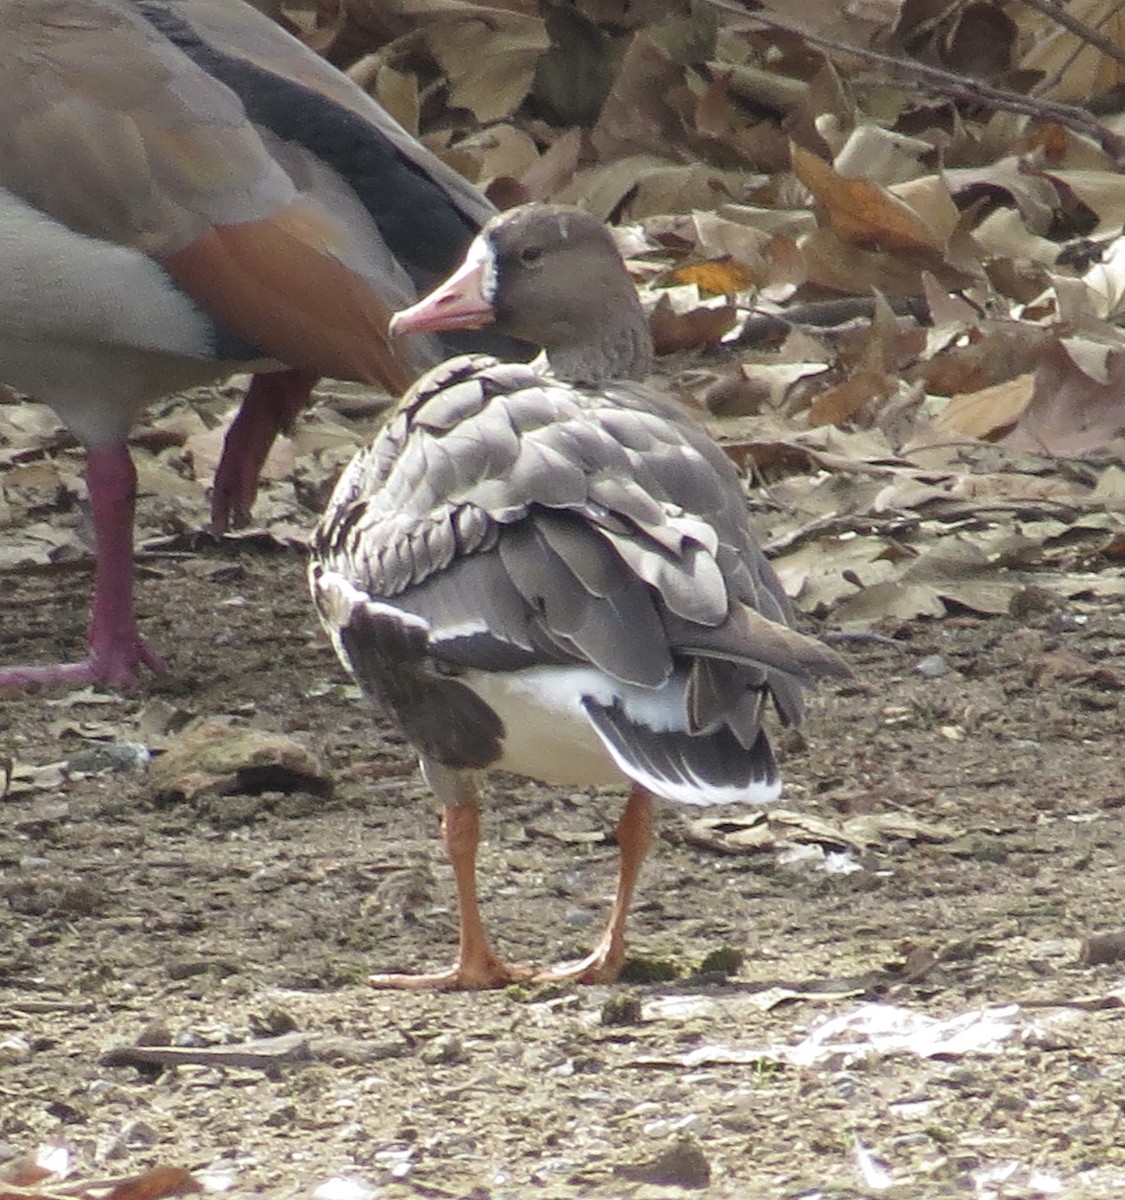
<point x="530" y="255"/>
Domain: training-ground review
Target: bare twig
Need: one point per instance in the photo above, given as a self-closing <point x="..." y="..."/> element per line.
<point x="824" y="314"/>
<point x="948" y="83"/>
<point x="48" y="1006"/>
<point x="263" y="1054"/>
<point x="1081" y="29"/>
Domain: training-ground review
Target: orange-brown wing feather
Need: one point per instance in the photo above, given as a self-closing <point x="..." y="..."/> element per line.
<point x="277" y="284"/>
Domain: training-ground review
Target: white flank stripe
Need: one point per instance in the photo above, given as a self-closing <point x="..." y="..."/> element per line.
<point x="549" y="736"/>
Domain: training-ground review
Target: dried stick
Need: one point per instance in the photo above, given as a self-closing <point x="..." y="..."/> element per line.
<point x="1081" y="30"/>
<point x="948" y="83"/>
<point x="262" y="1054"/>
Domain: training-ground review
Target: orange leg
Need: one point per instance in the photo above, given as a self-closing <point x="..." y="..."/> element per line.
<point x="603" y="963"/>
<point x="478" y="965"/>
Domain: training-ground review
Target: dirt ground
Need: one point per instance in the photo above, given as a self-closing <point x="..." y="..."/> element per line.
<point x="990" y="784"/>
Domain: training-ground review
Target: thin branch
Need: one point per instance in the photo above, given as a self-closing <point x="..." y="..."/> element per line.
<point x="947" y="83"/>
<point x="262" y="1054"/>
<point x="1081" y="29"/>
<point x="1049" y="83"/>
<point x="265" y="1054"/>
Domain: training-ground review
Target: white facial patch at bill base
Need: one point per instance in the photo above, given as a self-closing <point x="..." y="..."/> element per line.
<point x="481" y="255"/>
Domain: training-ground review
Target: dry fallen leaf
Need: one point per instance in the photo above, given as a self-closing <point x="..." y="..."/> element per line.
<point x="701" y="326"/>
<point x="1078" y="403"/>
<point x="719" y="277"/>
<point x="990" y="412"/>
<point x="156" y="1184"/>
<point x="864" y="213"/>
<point x="489" y="55"/>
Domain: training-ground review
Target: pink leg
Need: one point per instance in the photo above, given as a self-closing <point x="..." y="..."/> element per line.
<point x="270" y="406"/>
<point x="116" y="649"/>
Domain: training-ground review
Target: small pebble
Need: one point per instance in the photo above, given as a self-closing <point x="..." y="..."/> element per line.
<point x="579" y="917"/>
<point x="622" y="1008"/>
<point x="274" y="1023"/>
<point x="933" y="666"/>
<point x="187" y="968"/>
<point x="155" y="1033"/>
<point x="723" y="960"/>
<point x="445" y="1050"/>
<point x="342" y="1187"/>
<point x="110" y="756"/>
<point x="138" y="1134"/>
<point x="1101" y="948"/>
<point x="683" y="1165"/>
<point x="81" y="899"/>
<point x="14" y="1050"/>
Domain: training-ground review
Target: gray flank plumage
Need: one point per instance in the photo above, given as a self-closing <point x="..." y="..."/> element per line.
<point x="525" y="519"/>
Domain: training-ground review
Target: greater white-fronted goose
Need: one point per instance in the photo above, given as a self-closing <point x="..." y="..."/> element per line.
<point x="546" y="568"/>
<point x="186" y="191"/>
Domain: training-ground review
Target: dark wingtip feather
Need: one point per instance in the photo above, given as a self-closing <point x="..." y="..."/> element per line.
<point x="688" y="768"/>
<point x="445" y="720"/>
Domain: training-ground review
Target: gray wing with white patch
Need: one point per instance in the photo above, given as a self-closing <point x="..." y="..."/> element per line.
<point x="524" y="522"/>
<point x="388" y="651"/>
